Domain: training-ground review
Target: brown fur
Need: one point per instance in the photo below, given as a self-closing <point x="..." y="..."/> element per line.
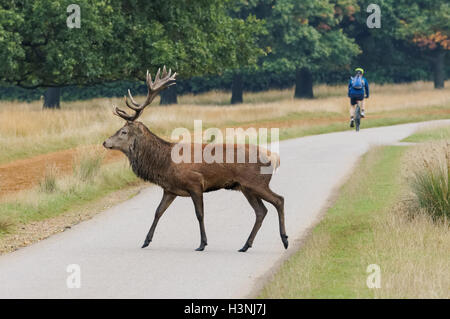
<point x="150" y="159"/>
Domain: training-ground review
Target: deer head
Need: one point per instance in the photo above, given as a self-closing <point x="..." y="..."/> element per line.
<point x="125" y="138"/>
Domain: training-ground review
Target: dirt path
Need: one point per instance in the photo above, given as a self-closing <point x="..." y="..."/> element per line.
<point x="24" y="174"/>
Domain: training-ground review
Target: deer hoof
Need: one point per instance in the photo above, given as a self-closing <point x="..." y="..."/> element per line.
<point x="285" y="241"/>
<point x="201" y="248"/>
<point x="146" y="243"/>
<point x="244" y="249"/>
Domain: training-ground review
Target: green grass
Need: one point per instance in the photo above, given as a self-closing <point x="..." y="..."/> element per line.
<point x="440" y="133"/>
<point x="5" y="225"/>
<point x="329" y="265"/>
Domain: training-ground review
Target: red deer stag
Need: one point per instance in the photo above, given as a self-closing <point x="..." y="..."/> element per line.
<point x="150" y="159"/>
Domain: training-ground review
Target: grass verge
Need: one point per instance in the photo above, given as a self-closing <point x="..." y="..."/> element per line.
<point x="54" y="196"/>
<point x="378" y="120"/>
<point x="425" y="135"/>
<point x="365" y="226"/>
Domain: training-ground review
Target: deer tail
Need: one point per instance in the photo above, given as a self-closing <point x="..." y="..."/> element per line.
<point x="274" y="160"/>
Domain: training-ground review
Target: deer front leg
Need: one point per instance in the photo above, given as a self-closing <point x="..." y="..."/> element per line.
<point x="165" y="203"/>
<point x="197" y="198"/>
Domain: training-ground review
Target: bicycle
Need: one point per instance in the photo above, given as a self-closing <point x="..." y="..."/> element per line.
<point x="357" y="116"/>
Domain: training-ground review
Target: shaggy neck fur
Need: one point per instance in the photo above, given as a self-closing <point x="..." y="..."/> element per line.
<point x="150" y="158"/>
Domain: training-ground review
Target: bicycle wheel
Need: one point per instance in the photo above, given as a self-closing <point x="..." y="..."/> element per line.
<point x="357" y="118"/>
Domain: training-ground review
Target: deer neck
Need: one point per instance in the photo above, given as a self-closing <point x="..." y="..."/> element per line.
<point x="151" y="158"/>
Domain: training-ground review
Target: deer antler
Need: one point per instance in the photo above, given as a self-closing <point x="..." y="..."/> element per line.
<point x="160" y="83"/>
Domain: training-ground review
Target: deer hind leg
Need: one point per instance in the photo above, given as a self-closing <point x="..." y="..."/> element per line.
<point x="165" y="203"/>
<point x="260" y="211"/>
<point x="277" y="201"/>
<point x="197" y="198"/>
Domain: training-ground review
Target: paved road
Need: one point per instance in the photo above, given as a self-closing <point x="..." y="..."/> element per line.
<point x="107" y="248"/>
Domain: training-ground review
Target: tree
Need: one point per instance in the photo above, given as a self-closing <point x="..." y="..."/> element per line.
<point x="117" y="40"/>
<point x="206" y="39"/>
<point x="248" y="39"/>
<point x="426" y="23"/>
<point x="44" y="52"/>
<point x="307" y="38"/>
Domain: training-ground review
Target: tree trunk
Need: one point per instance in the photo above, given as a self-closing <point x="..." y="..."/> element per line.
<point x="237" y="89"/>
<point x="303" y="83"/>
<point x="439" y="69"/>
<point x="169" y="96"/>
<point x="52" y="98"/>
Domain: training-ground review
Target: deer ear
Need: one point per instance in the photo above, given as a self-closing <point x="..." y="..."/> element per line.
<point x="132" y="146"/>
<point x="142" y="128"/>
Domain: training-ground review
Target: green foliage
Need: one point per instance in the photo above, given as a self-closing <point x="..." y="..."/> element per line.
<point x="48" y="52"/>
<point x="207" y="40"/>
<point x="308" y="34"/>
<point x="424" y="22"/>
<point x="383" y="54"/>
<point x="119" y="40"/>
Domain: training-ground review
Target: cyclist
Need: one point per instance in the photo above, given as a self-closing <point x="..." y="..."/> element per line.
<point x="357" y="88"/>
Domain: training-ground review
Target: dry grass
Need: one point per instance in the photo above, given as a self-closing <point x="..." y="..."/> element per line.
<point x="412" y="245"/>
<point x="430" y="181"/>
<point x="27" y="130"/>
<point x="87" y="163"/>
<point x="49" y="184"/>
<point x="57" y="194"/>
<point x="413" y="253"/>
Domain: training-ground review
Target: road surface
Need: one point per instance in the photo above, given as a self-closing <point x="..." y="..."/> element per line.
<point x="112" y="264"/>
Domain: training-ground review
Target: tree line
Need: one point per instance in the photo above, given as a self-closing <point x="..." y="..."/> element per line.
<point x="215" y="44"/>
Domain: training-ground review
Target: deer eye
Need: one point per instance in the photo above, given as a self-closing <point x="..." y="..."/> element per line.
<point x="123" y="132"/>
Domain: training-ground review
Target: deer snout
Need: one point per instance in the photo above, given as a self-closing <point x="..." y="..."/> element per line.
<point x="107" y="144"/>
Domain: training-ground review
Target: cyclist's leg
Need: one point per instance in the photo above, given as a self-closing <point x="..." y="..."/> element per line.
<point x="362" y="108"/>
<point x="352" y="111"/>
<point x="353" y="103"/>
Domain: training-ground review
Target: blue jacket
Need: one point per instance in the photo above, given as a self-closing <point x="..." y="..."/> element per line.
<point x="352" y="92"/>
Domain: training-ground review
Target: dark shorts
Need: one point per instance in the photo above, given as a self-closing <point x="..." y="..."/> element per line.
<point x="354" y="99"/>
